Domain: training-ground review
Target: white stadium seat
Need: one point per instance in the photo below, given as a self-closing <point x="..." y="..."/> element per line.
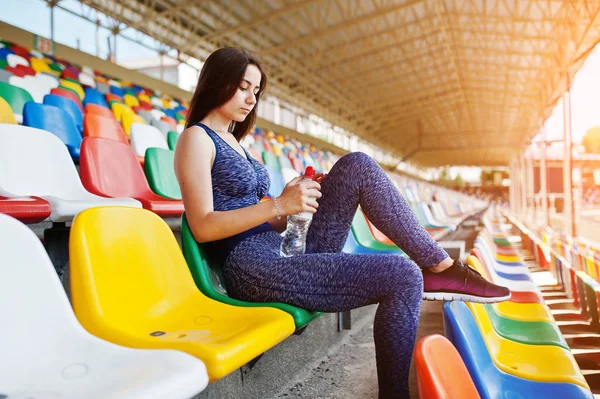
<point x="35" y="162"/>
<point x="47" y="354"/>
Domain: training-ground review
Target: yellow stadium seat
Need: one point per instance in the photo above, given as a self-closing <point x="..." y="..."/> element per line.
<point x="129" y="118"/>
<point x="143" y="97"/>
<point x="39" y="65"/>
<point x="546" y="363"/>
<point x="101" y="79"/>
<point x="130" y="285"/>
<point x="6" y="113"/>
<point x="119" y="109"/>
<point x="74" y="86"/>
<point x="131" y="101"/>
<point x="524" y="311"/>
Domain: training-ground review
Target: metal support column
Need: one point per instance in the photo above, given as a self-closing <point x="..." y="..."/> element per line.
<point x="530" y="186"/>
<point x="568" y="209"/>
<point x="523" y="185"/>
<point x="544" y="181"/>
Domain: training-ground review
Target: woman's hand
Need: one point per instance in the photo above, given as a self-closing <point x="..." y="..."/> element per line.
<point x="319" y="177"/>
<point x="299" y="195"/>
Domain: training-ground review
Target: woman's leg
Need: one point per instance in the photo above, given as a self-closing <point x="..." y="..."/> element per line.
<point x="356" y="179"/>
<point x="255" y="272"/>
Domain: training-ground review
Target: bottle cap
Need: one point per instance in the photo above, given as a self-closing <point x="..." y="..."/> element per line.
<point x="309" y="173"/>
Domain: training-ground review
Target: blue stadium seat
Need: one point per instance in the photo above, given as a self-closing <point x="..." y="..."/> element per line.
<point x="117" y="91"/>
<point x="68" y="105"/>
<point x="55" y="121"/>
<point x="93" y="96"/>
<point x="491" y="382"/>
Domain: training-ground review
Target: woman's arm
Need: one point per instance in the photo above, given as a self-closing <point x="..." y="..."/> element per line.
<point x="279" y="225"/>
<point x="193" y="162"/>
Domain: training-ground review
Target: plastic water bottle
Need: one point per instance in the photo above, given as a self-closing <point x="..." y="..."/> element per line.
<point x="294" y="239"/>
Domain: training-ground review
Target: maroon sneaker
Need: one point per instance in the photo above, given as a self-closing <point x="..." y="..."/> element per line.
<point x="461" y="283"/>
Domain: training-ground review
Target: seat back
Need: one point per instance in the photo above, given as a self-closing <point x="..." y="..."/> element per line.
<point x="110" y="168"/>
<point x="146" y="136"/>
<point x="36" y="162"/>
<point x="43" y="317"/>
<point x="163" y="126"/>
<point x="119" y="109"/>
<point x="99" y="126"/>
<point x="95" y="109"/>
<point x="93" y="96"/>
<point x="6" y="113"/>
<point x="172" y="138"/>
<point x="68" y="105"/>
<point x="160" y="172"/>
<point x="54" y="120"/>
<point x="441" y="372"/>
<point x="128" y="119"/>
<point x="76" y="87"/>
<point x="126" y="268"/>
<point x="131" y="101"/>
<point x="16" y="97"/>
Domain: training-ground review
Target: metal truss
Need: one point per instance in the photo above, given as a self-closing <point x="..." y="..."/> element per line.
<point x="469" y="81"/>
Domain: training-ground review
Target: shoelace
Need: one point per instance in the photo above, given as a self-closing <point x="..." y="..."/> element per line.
<point x="466" y="269"/>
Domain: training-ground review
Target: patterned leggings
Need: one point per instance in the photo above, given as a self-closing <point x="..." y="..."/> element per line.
<point x="326" y="280"/>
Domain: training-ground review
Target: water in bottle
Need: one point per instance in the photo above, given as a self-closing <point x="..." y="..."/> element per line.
<point x="294" y="239"/>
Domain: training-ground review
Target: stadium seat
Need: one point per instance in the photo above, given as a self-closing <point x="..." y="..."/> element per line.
<point x="111" y="169"/>
<point x="440" y="370"/>
<point x="490" y="378"/>
<point x="157" y="113"/>
<point x="6" y="113"/>
<point x="5" y="75"/>
<point x="56" y="121"/>
<point x="32" y="86"/>
<point x="87" y="80"/>
<point x="93" y="96"/>
<point x="37" y="163"/>
<point x="119" y="109"/>
<point x="163" y="126"/>
<point x="76" y="87"/>
<point x="172" y="138"/>
<point x="16" y="97"/>
<point x="25" y="209"/>
<point x="209" y="279"/>
<point x="144" y="137"/>
<point x="130" y="118"/>
<point x="99" y="126"/>
<point x="160" y="172"/>
<point x="525" y="332"/>
<point x="378" y="235"/>
<point x="39" y="65"/>
<point x="95" y="109"/>
<point x="273" y="168"/>
<point x="122" y="295"/>
<point x="42" y="335"/>
<point x="67" y="105"/>
<point x="363" y="235"/>
<point x="60" y="91"/>
<point x="131" y="101"/>
<point x="14" y="60"/>
<point x="544" y="363"/>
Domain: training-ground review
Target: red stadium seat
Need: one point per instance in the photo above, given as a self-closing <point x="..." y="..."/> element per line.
<point x="26" y="209"/>
<point x="111" y="169"/>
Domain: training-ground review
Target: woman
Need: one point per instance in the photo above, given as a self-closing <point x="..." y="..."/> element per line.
<point x="222" y="186"/>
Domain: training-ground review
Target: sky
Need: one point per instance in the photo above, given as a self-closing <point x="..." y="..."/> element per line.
<point x="76" y="32"/>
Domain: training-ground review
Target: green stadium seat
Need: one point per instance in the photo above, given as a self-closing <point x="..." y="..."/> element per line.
<point x="209" y="279"/>
<point x="160" y="172"/>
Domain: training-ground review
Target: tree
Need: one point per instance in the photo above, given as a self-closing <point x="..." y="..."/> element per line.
<point x="591" y="140"/>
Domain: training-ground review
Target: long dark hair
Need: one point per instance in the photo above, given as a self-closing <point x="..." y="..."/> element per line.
<point x="219" y="79"/>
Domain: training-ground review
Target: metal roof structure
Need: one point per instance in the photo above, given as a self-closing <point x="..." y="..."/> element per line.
<point x="435" y="82"/>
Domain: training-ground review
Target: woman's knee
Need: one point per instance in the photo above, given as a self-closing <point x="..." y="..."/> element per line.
<point x="402" y="276"/>
<point x="356" y="158"/>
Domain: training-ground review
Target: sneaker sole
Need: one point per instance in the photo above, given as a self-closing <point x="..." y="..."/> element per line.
<point x="450" y="296"/>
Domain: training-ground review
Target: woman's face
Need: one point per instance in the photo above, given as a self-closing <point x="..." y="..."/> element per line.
<point x="244" y="99"/>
